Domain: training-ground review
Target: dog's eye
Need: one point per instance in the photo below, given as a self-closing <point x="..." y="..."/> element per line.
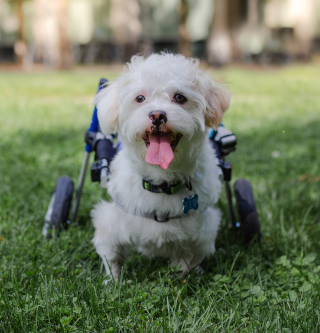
<point x="179" y="98"/>
<point x="140" y="99"/>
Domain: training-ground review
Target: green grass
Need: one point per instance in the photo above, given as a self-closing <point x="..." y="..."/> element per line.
<point x="56" y="285"/>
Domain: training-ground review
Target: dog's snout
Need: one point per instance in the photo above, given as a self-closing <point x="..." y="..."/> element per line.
<point x="158" y="117"/>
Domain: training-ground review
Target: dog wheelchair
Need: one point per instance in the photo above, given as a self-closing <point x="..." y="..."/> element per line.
<point x="223" y="141"/>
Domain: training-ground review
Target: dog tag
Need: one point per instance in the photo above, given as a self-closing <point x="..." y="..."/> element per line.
<point x="190" y="203"/>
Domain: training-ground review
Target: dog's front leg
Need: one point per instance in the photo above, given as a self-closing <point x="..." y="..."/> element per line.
<point x="113" y="267"/>
<point x="113" y="258"/>
<point x="187" y="262"/>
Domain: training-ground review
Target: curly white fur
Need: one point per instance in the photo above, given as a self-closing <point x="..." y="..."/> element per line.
<point x="185" y="240"/>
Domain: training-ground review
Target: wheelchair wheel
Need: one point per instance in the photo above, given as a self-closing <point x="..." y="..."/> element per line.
<point x="59" y="207"/>
<point x="247" y="211"/>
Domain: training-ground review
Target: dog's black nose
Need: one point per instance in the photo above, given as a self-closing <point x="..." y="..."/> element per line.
<point x="158" y="117"/>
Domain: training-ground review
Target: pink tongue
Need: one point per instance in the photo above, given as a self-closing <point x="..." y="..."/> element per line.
<point x="160" y="151"/>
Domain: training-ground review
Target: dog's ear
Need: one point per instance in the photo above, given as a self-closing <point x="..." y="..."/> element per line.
<point x="218" y="100"/>
<point x="107" y="103"/>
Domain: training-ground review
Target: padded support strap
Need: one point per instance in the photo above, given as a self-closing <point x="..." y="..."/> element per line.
<point x="154" y="216"/>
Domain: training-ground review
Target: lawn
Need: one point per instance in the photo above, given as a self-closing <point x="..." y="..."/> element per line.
<point x="56" y="285"/>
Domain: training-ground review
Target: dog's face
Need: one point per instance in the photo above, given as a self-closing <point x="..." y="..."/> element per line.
<point x="161" y="106"/>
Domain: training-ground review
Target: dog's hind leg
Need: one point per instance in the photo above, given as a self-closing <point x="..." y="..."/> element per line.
<point x="107" y="238"/>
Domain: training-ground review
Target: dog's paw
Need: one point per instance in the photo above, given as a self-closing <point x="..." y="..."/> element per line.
<point x="199" y="270"/>
<point x="107" y="280"/>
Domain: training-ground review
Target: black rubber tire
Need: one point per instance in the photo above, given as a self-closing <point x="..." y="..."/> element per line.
<point x="247" y="211"/>
<point x="62" y="203"/>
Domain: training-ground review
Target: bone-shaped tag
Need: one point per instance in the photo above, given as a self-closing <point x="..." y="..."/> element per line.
<point x="190" y="203"/>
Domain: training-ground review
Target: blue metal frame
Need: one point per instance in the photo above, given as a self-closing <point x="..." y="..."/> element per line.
<point x="94" y="126"/>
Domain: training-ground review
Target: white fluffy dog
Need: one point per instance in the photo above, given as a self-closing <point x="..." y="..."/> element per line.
<point x="161" y="106"/>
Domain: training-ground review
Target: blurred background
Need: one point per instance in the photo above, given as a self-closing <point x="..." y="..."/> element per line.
<point x="62" y="33"/>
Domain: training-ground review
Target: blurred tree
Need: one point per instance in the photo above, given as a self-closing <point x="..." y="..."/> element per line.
<point x="237" y="28"/>
<point x="253" y="35"/>
<point x="20" y="16"/>
<point x="184" y="40"/>
<point x="50" y="29"/>
<point x="65" y="57"/>
<point x="20" y="47"/>
<point x="146" y="22"/>
<point x="219" y="43"/>
<point x="126" y="27"/>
